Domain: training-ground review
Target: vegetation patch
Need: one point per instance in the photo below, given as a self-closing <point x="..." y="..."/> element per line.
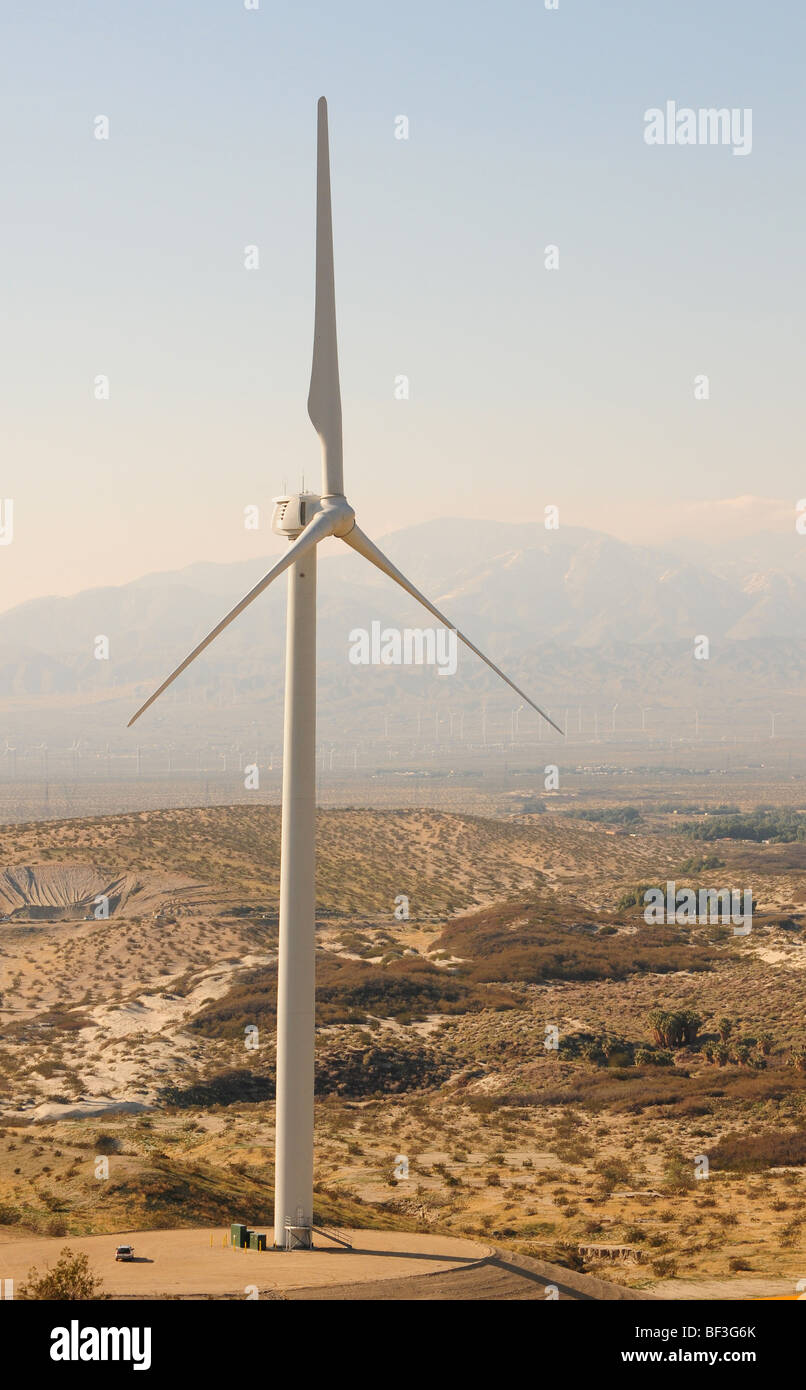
<point x="778" y="826"/>
<point x="237" y="1086"/>
<point x="754" y="1152"/>
<point x="362" y="1071"/>
<point x="608" y="815"/>
<point x="406" y="988"/>
<point x="516" y="943"/>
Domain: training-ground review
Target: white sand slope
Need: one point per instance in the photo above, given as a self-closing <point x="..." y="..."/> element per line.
<point x="57" y="890"/>
<point x="59" y="887"/>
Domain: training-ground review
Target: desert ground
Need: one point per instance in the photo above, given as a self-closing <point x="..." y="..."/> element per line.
<point x="136" y="1059"/>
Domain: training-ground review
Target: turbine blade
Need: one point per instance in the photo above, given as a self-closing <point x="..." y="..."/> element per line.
<point x="360" y="542"/>
<point x="315" y="531"/>
<point x="324" y="396"/>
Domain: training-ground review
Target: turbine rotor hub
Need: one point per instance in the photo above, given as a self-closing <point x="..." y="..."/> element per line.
<point x="342" y="514"/>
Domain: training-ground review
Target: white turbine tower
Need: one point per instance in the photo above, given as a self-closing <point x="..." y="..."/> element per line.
<point x="306" y="519"/>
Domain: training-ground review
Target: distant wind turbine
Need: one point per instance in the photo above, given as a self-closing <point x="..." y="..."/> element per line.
<point x="10" y="752"/>
<point x="75" y="751"/>
<point x="306" y="519"/>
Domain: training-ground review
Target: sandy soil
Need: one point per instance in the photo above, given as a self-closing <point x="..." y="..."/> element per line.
<point x="739" y="1287"/>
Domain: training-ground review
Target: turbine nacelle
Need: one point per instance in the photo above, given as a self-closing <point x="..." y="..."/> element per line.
<point x="294" y="511"/>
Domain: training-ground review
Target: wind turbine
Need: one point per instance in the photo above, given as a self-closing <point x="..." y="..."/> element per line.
<point x="10" y="752"/>
<point x="306" y="519"/>
<point x="75" y="750"/>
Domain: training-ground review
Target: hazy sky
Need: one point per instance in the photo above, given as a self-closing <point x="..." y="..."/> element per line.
<point x="125" y="257"/>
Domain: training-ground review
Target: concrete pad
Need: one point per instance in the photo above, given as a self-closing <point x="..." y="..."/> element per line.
<point x="184" y="1262"/>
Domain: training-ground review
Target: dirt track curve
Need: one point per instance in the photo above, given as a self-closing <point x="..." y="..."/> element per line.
<point x="501" y="1276"/>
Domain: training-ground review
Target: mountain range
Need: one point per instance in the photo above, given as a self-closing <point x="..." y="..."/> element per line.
<point x="575" y="611"/>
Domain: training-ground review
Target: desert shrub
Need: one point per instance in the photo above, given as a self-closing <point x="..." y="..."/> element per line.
<point x="50" y="1200"/>
<point x="106" y="1144"/>
<point x="636" y="897"/>
<point x="698" y="864"/>
<point x="225" y="1088"/>
<point x="789" y="1235"/>
<point x="652" y="1057"/>
<point x="614" y="1172"/>
<point x="571" y="1151"/>
<point x="679" y="1174"/>
<point x="618" y="1052"/>
<point x="374" y="1069"/>
<point x="70" y="1278"/>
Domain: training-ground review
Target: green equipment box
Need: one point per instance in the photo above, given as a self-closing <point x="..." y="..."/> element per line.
<point x="238" y="1234"/>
